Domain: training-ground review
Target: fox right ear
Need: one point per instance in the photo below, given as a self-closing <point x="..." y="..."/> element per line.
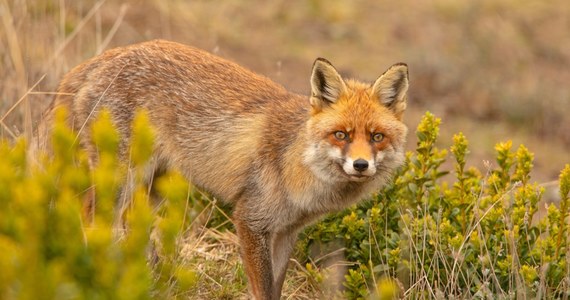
<point x="392" y="87"/>
<point x="326" y="84"/>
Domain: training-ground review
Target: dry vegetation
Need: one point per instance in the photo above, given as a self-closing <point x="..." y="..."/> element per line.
<point x="493" y="70"/>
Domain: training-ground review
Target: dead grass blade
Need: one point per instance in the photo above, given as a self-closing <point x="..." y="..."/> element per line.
<point x="13" y="107"/>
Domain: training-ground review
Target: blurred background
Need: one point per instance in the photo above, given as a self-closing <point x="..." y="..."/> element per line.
<point x="494" y="70"/>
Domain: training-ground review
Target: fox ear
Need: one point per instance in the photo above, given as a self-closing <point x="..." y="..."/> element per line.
<point x="392" y="87"/>
<point x="326" y="84"/>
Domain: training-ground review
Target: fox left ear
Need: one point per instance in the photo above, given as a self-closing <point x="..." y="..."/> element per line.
<point x="392" y="87"/>
<point x="326" y="84"/>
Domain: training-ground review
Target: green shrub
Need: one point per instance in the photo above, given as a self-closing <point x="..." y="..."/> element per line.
<point x="469" y="236"/>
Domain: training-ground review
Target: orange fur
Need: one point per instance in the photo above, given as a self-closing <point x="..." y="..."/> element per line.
<point x="246" y="139"/>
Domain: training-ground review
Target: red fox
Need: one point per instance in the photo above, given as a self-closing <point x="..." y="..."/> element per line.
<point x="280" y="158"/>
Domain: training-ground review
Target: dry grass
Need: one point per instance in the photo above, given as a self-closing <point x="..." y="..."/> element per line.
<point x="212" y="249"/>
<point x="494" y="70"/>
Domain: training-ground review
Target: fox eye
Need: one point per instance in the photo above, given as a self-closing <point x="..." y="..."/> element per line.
<point x="340" y="135"/>
<point x="377" y="137"/>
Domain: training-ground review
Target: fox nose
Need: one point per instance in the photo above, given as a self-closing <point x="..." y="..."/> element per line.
<point x="360" y="165"/>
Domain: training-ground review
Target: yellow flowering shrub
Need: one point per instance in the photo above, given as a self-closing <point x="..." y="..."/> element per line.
<point x="466" y="235"/>
<point x="471" y="234"/>
<point x="51" y="250"/>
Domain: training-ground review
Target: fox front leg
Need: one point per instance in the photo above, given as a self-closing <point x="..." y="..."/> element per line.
<point x="256" y="258"/>
<point x="281" y="248"/>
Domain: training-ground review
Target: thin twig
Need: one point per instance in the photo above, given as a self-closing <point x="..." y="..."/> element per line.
<point x="16" y="105"/>
<point x="113" y="30"/>
<point x="77" y="29"/>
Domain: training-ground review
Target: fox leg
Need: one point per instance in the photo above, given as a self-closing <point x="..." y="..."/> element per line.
<point x="123" y="203"/>
<point x="256" y="258"/>
<point x="89" y="206"/>
<point x="282" y="246"/>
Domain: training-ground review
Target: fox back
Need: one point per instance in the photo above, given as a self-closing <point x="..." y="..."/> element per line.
<point x="280" y="158"/>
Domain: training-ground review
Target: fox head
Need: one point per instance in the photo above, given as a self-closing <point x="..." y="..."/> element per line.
<point x="356" y="133"/>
